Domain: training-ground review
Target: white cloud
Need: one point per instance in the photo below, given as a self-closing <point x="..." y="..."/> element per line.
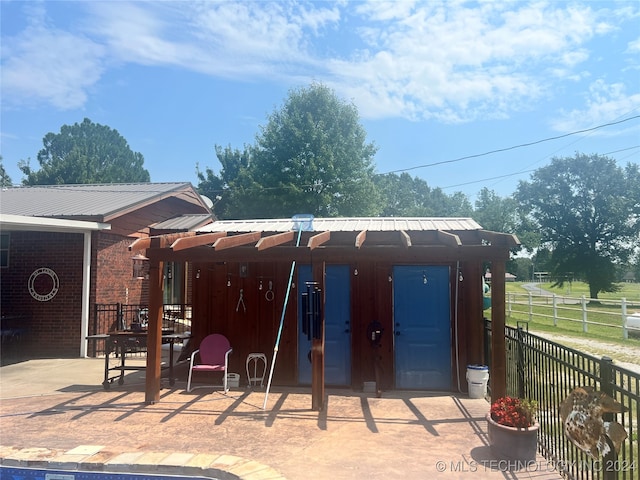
<point x="452" y="61"/>
<point x="633" y="47"/>
<point x="605" y="103"/>
<point x="43" y="63"/>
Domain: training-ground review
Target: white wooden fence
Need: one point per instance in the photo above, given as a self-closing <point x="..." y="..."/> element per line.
<point x="618" y="313"/>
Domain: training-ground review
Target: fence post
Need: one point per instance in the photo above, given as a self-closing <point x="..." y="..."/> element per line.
<point x="583" y="300"/>
<point x="555" y="310"/>
<point x="120" y="317"/>
<point x="607" y="381"/>
<point x="530" y="306"/>
<point x="625" y="332"/>
<point x="521" y="392"/>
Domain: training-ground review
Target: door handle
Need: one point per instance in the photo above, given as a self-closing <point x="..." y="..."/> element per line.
<point x="397" y="333"/>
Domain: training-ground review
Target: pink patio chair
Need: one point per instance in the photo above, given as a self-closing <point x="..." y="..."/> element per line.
<point x="213" y="356"/>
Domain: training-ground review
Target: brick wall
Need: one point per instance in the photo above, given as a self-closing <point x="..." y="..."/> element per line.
<point x="113" y="272"/>
<point x="52" y="326"/>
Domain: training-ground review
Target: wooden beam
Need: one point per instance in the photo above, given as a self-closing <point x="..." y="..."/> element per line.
<point x="405" y="238"/>
<point x="140" y="244"/>
<point x="449" y="239"/>
<point x="318" y="240"/>
<point x="164" y="240"/>
<point x="275" y="240"/>
<point x="497" y="238"/>
<point x="236" y="240"/>
<point x="360" y="238"/>
<point x="196" y="241"/>
<point x="318" y="344"/>
<point x="154" y="329"/>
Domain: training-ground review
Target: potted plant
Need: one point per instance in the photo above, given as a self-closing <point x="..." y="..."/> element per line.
<point x="513" y="429"/>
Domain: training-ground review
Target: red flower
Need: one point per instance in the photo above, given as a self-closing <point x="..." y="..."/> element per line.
<point x="514" y="412"/>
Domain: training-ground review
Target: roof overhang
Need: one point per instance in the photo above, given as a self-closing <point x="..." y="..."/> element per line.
<point x="39" y="224"/>
<point x="265" y="240"/>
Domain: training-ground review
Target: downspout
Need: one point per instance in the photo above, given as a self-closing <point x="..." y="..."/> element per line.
<point x="86" y="288"/>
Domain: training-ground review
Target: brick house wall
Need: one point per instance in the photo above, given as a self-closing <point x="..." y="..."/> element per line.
<point x="52" y="326"/>
<point x="113" y="272"/>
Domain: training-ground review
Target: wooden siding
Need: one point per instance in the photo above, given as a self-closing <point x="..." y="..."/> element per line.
<point x="216" y="309"/>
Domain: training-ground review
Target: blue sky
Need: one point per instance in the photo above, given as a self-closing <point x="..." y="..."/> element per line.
<point x="433" y="81"/>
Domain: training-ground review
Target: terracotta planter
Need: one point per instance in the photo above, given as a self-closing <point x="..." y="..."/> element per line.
<point x="510" y="443"/>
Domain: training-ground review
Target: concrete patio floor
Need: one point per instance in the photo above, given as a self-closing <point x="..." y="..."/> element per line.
<point x="54" y="413"/>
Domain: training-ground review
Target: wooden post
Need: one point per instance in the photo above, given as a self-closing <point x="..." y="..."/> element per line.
<point x="154" y="332"/>
<point x="498" y="376"/>
<point x="317" y="346"/>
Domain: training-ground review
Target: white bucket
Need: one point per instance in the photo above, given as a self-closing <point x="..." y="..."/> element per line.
<point x="477" y="378"/>
<point x="233" y="380"/>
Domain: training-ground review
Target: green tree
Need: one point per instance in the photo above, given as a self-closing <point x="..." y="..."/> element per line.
<point x="310" y="157"/>
<point x="404" y="196"/>
<point x="5" y="179"/>
<point x="588" y="212"/>
<point x="217" y="187"/>
<point x="83" y="153"/>
<point x="496" y="213"/>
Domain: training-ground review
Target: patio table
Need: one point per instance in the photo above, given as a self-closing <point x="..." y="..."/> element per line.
<point x="121" y="343"/>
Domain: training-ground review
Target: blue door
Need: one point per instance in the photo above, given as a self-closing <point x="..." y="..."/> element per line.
<point x="337" y="358"/>
<point x="422" y="327"/>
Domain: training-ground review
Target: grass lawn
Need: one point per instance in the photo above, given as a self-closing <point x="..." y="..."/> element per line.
<point x="630" y="291"/>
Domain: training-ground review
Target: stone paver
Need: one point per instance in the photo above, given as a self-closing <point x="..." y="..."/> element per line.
<point x="71" y="421"/>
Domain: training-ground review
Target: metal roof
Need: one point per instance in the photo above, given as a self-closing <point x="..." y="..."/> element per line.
<point x="99" y="201"/>
<point x="244" y="239"/>
<point x="356" y="224"/>
<point x="184" y="222"/>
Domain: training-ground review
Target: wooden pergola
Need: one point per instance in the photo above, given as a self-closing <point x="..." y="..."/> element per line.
<point x="266" y="241"/>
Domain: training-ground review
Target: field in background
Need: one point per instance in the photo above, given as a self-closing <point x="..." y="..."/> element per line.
<point x="604" y="317"/>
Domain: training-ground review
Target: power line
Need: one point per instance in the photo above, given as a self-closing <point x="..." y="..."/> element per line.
<point x="520" y="172"/>
<point x="522" y="145"/>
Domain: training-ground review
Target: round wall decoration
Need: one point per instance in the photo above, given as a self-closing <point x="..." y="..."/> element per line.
<point x="43" y="284"/>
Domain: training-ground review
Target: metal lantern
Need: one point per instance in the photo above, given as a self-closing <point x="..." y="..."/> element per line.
<point x="139" y="266"/>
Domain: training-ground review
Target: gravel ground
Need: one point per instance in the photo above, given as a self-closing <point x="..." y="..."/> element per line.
<point x="627" y="356"/>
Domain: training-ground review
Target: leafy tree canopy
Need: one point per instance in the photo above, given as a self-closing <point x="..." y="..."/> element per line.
<point x="310" y="157"/>
<point x="84" y="153"/>
<point x="404" y="196"/>
<point x="216" y="187"/>
<point x="503" y="215"/>
<point x="5" y="179"/>
<point x="588" y="212"/>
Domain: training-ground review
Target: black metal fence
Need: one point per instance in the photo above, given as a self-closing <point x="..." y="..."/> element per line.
<point x="547" y="372"/>
<point x="112" y="317"/>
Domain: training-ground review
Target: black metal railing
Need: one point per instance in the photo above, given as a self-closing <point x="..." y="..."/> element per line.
<point x="118" y="316"/>
<point x="547" y="372"/>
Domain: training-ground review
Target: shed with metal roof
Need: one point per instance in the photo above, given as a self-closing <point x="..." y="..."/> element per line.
<point x="418" y="281"/>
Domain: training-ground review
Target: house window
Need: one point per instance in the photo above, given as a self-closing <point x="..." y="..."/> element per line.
<point x="4" y="250"/>
<point x="173" y="282"/>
